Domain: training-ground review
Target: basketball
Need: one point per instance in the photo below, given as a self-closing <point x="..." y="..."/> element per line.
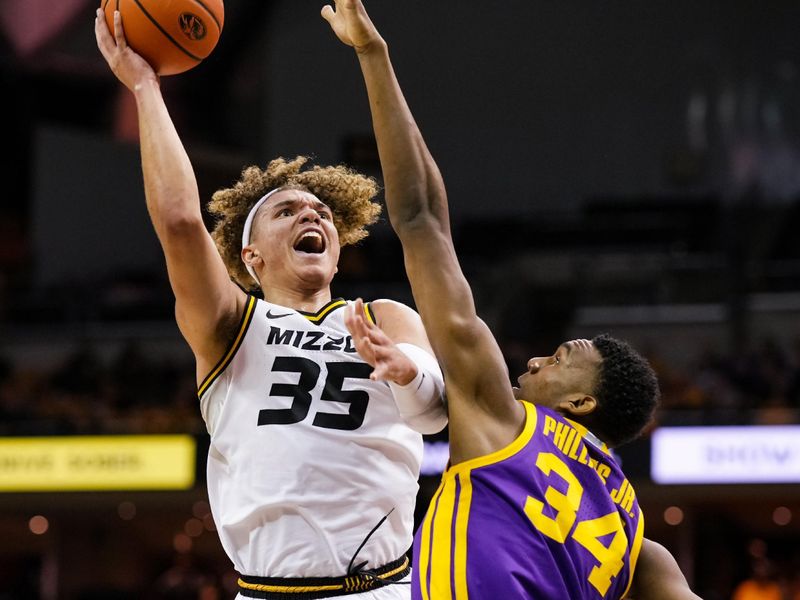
<point x="172" y="35"/>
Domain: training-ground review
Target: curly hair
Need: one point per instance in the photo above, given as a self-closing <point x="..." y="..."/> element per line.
<point x="626" y="390"/>
<point x="348" y="194"/>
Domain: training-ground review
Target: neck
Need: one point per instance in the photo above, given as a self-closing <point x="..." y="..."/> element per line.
<point x="303" y="300"/>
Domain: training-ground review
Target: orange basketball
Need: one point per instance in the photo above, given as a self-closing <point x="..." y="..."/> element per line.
<point x="172" y="35"/>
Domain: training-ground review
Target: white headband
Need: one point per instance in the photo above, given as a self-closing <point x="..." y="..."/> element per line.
<point x="248" y="225"/>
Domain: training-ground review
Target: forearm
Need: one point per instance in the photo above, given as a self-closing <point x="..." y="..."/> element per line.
<point x="169" y="181"/>
<point x="421" y="402"/>
<point x="415" y="196"/>
<point x="413" y="184"/>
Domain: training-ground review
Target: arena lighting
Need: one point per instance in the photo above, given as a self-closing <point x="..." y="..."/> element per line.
<point x="710" y="455"/>
<point x="782" y="516"/>
<point x="93" y="463"/>
<point x="38" y="525"/>
<point x="436" y="455"/>
<point x="673" y="515"/>
<point x="434" y="458"/>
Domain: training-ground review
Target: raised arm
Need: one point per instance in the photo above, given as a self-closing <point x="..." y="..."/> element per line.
<point x="206" y="300"/>
<point x="658" y="576"/>
<point x="478" y="389"/>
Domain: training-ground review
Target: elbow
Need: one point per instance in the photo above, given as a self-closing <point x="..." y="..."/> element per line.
<point x="420" y="218"/>
<point x="419" y="207"/>
<point x="176" y="224"/>
<point x="414" y="223"/>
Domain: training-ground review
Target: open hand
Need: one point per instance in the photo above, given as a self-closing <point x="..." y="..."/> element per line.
<point x="351" y="24"/>
<point x="375" y="347"/>
<point x="130" y="68"/>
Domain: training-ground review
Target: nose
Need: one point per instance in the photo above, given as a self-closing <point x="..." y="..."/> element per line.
<point x="534" y="364"/>
<point x="309" y="215"/>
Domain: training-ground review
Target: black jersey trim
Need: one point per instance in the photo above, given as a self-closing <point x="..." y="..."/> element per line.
<point x="369" y="313"/>
<point x="247" y="318"/>
<point x="319" y="316"/>
<point x="274" y="588"/>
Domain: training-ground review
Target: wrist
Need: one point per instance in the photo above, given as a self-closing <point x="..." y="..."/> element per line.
<point x="375" y="47"/>
<point x="147" y="84"/>
<point x="421" y="401"/>
<point x="411" y="377"/>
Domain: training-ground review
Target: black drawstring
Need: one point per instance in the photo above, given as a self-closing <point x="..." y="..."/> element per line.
<point x="359" y="569"/>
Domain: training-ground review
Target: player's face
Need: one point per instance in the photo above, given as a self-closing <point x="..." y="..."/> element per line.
<point x="297" y="240"/>
<point x="567" y="375"/>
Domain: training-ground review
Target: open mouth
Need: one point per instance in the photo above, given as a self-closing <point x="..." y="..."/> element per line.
<point x="310" y="242"/>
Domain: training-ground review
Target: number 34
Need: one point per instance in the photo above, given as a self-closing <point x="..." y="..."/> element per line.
<point x="587" y="533"/>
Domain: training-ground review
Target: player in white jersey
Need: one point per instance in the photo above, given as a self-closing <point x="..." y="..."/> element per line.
<point x="313" y="461"/>
<point x="308" y="453"/>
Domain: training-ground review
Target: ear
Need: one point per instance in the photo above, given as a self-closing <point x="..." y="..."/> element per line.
<point x="578" y="405"/>
<point x="250" y="255"/>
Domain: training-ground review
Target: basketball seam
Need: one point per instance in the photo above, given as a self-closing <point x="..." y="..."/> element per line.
<point x="210" y="14"/>
<point x="166" y="35"/>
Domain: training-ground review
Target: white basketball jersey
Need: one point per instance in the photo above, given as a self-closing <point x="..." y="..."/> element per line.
<point x="307" y="453"/>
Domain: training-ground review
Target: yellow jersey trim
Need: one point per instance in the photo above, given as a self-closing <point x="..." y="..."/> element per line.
<point x="354" y="583"/>
<point x="289" y="589"/>
<point x="462" y="521"/>
<point x="531" y="417"/>
<point x="425" y="543"/>
<point x="323" y="312"/>
<point x="636" y="547"/>
<point x="369" y="313"/>
<point x="441" y="549"/>
<point x="247" y="317"/>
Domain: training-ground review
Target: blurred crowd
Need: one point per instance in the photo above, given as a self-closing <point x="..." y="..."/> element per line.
<point x="759" y="385"/>
<point x="132" y="393"/>
<point x="769" y="577"/>
<point x="91" y="393"/>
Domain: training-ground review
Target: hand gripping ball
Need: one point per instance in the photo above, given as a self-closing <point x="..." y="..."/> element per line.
<point x="172" y="35"/>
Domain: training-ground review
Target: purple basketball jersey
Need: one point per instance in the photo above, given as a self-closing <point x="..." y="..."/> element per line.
<point x="549" y="517"/>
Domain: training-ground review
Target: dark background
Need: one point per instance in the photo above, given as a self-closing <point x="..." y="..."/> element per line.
<point x="611" y="166"/>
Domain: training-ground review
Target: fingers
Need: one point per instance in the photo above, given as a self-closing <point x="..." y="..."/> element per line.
<point x="361" y="313"/>
<point x="104" y="41"/>
<point x="99" y="34"/>
<point x="351" y="320"/>
<point x="328" y="13"/>
<point x="356" y="324"/>
<point x="119" y="33"/>
<point x="356" y="320"/>
<point x="367" y="352"/>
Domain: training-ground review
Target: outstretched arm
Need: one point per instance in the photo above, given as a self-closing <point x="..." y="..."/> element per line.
<point x="480" y="398"/>
<point x="658" y="576"/>
<point x="205" y="298"/>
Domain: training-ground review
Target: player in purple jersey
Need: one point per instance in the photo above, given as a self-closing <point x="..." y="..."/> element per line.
<point x="533" y="504"/>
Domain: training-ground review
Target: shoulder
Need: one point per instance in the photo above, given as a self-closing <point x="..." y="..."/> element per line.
<point x="400" y="322"/>
<point x="384" y="310"/>
<point x="658" y="575"/>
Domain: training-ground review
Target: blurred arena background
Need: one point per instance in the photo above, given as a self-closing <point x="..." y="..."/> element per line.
<point x="625" y="167"/>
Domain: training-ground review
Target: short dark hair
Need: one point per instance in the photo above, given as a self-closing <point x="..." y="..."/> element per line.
<point x="626" y="391"/>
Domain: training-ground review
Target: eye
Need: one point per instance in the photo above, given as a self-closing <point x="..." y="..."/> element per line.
<point x="285" y="212"/>
<point x="324" y="215"/>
